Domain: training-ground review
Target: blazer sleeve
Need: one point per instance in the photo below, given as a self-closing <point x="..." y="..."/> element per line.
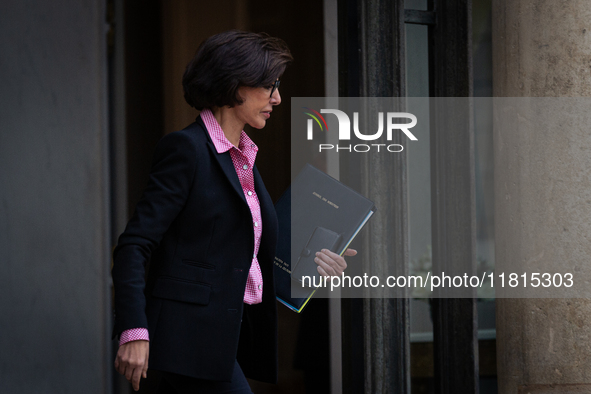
<point x="171" y="176"/>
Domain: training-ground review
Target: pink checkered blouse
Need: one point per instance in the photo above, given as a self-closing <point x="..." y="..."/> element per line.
<point x="243" y="158"/>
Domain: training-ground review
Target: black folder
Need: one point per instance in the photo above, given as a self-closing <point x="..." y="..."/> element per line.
<point x="305" y="266"/>
<point x="316" y="212"/>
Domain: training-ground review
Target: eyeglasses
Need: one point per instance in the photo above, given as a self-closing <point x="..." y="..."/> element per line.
<point x="275" y="86"/>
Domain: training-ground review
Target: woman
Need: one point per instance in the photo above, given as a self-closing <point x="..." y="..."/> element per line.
<point x="206" y="313"/>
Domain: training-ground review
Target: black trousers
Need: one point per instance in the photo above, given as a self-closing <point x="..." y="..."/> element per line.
<point x="172" y="383"/>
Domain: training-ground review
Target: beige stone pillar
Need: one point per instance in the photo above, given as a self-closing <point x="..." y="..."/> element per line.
<point x="542" y="48"/>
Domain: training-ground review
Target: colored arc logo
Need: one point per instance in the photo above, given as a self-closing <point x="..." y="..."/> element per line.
<point x="316" y="119"/>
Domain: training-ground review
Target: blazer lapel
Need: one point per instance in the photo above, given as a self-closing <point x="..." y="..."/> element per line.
<point x="269" y="238"/>
<point x="224" y="160"/>
<point x="227" y="165"/>
<point x="264" y="199"/>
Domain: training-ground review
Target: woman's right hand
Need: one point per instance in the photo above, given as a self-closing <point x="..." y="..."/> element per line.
<point x="132" y="361"/>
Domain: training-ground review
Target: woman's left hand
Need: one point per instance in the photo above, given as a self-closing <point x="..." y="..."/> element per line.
<point x="330" y="263"/>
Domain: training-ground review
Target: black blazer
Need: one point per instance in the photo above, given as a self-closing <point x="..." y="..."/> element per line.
<point x="194" y="228"/>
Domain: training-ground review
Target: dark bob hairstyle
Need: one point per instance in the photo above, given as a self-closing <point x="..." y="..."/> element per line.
<point x="226" y="61"/>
